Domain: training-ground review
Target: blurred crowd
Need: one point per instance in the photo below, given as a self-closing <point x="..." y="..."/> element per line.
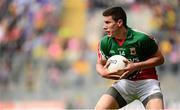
<point x="41" y="60"/>
<point x="28" y="33"/>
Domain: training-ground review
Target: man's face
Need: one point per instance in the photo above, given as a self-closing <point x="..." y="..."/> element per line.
<point x="111" y="27"/>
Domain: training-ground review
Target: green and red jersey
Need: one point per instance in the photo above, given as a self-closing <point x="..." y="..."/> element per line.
<point x="137" y="47"/>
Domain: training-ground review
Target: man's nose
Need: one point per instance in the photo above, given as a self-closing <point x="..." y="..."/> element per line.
<point x="105" y="27"/>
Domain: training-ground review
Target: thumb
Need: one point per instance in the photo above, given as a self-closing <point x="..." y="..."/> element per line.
<point x="107" y="64"/>
<point x="126" y="61"/>
<point x="124" y="75"/>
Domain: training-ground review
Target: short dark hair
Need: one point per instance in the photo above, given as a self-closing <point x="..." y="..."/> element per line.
<point x="116" y="13"/>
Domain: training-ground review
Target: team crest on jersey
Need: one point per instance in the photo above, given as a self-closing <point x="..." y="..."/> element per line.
<point x="133" y="51"/>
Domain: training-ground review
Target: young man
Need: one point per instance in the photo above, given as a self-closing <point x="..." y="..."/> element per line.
<point x="139" y="80"/>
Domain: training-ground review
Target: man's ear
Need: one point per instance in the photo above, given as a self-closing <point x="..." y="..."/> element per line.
<point x="120" y="22"/>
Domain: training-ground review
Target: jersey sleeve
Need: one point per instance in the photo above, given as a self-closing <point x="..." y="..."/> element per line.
<point x="103" y="50"/>
<point x="149" y="46"/>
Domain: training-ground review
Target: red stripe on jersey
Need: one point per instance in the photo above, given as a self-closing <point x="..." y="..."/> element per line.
<point x="99" y="53"/>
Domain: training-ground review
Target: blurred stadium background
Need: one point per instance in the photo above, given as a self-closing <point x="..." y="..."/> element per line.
<point x="48" y="50"/>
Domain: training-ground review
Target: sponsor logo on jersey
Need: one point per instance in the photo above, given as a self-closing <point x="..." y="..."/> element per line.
<point x="112" y="52"/>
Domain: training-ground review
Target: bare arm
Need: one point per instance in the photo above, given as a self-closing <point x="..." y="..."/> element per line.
<point x="154" y="60"/>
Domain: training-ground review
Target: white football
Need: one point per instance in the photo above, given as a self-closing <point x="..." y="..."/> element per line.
<point x="116" y="63"/>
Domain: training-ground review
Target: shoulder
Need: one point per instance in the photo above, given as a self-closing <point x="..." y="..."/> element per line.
<point x="142" y="36"/>
<point x="105" y="40"/>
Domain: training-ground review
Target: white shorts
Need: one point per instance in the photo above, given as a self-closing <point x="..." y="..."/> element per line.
<point x="140" y="90"/>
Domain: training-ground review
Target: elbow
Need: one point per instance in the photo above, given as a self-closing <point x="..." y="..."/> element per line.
<point x="162" y="60"/>
<point x="100" y="73"/>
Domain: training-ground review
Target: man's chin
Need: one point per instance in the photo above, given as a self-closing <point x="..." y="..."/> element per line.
<point x="109" y="35"/>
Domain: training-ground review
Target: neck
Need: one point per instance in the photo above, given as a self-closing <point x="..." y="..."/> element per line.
<point x="121" y="33"/>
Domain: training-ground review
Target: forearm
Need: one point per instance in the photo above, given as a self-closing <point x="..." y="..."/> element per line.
<point x="100" y="69"/>
<point x="151" y="62"/>
<point x="104" y="73"/>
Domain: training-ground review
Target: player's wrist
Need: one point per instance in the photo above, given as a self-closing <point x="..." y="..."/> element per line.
<point x="138" y="66"/>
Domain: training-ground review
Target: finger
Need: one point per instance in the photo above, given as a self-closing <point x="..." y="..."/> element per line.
<point x="124" y="75"/>
<point x="126" y="61"/>
<point x="107" y="64"/>
<point x="113" y="73"/>
<point x="116" y="72"/>
<point x="115" y="77"/>
<point x="124" y="69"/>
<point x="112" y="76"/>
